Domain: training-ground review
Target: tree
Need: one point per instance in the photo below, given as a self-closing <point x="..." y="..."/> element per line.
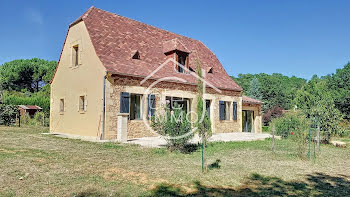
<point x="254" y="89"/>
<point x="26" y="74"/>
<point x="339" y="84"/>
<point x="274" y="112"/>
<point x="275" y="89"/>
<point x="203" y="126"/>
<point x="316" y="101"/>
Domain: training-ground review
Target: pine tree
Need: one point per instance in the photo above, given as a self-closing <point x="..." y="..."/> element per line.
<point x="254" y="89"/>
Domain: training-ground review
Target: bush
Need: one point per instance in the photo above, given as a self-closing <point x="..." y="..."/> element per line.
<point x="274" y="112"/>
<point x="294" y="125"/>
<point x="265" y="129"/>
<point x="8" y="114"/>
<point x="292" y="121"/>
<point x="38" y="119"/>
<point x="173" y="124"/>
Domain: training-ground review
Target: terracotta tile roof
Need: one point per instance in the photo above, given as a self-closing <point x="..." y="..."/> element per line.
<point x="115" y="38"/>
<point x="249" y="100"/>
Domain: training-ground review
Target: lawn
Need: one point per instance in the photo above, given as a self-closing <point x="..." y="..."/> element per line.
<point x="35" y="164"/>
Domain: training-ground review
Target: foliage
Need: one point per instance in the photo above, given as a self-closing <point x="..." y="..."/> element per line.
<point x="339" y="85"/>
<point x="173" y="124"/>
<point x="290" y="122"/>
<point x="26" y="74"/>
<point x="203" y="126"/>
<point x="317" y="101"/>
<point x="39" y="119"/>
<point x="254" y="89"/>
<point x="294" y="125"/>
<point x="276" y="89"/>
<point x="8" y="114"/>
<point x="272" y="113"/>
<point x="41" y="99"/>
<point x="25" y="82"/>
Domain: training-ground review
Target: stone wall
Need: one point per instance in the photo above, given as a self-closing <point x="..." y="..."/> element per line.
<point x="137" y="128"/>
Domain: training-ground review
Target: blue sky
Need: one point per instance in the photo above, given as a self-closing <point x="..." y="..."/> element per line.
<point x="291" y="37"/>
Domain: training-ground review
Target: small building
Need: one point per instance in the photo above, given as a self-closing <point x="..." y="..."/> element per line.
<point x="28" y="109"/>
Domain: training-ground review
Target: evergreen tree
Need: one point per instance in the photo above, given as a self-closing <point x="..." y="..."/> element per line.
<point x="254" y="89"/>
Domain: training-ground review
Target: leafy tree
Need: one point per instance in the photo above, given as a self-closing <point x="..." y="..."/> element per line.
<point x="339" y="84"/>
<point x="275" y="89"/>
<point x="317" y="101"/>
<point x="274" y="112"/>
<point x="254" y="89"/>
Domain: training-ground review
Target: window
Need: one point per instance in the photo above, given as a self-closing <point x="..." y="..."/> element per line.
<point x="136" y="56"/>
<point x="234" y="110"/>
<point x="223" y="109"/>
<point x="151" y="103"/>
<point x="82" y="104"/>
<point x="135" y="107"/>
<point x="75" y="55"/>
<point x="181" y="58"/>
<point x="210" y="70"/>
<point x="132" y="104"/>
<point x="207" y="107"/>
<point x="61" y="105"/>
<point x="181" y="103"/>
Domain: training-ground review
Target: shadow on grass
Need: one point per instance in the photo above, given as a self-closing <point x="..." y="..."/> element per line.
<point x="215" y="165"/>
<point x="257" y="185"/>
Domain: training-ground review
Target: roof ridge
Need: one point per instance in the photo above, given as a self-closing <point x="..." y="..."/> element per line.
<point x="83" y="16"/>
<point x="92" y="7"/>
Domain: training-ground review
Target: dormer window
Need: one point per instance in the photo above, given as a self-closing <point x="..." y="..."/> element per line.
<point x="136" y="56"/>
<point x="210" y="70"/>
<point x="181" y="58"/>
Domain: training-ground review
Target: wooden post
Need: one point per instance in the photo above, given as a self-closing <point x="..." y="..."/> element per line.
<point x="19" y="119"/>
<point x="273" y="138"/>
<point x="318" y="135"/>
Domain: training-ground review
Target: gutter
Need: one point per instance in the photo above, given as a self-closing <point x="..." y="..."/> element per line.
<point x="104" y="106"/>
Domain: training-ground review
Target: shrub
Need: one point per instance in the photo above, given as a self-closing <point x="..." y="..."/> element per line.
<point x="292" y="121"/>
<point x="173" y="124"/>
<point x="265" y="129"/>
<point x="38" y="118"/>
<point x="272" y="113"/>
<point x="294" y="125"/>
<point x="8" y="114"/>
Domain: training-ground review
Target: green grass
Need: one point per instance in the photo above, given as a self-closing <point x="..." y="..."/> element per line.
<point x="34" y="164"/>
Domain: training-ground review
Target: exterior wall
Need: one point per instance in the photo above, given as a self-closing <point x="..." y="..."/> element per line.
<point x="257" y="116"/>
<point x="137" y="128"/>
<point x="71" y="82"/>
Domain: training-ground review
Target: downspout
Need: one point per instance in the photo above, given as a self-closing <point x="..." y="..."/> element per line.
<point x="104" y="106"/>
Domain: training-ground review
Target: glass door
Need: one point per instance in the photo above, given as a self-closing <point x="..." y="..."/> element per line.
<point x="247" y="117"/>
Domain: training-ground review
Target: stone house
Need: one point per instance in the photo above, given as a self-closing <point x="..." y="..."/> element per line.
<point x="109" y="62"/>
